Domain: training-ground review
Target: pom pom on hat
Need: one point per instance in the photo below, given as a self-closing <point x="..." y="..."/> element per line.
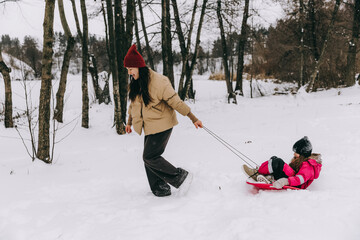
<point x="303" y="147"/>
<point x="133" y="58"/>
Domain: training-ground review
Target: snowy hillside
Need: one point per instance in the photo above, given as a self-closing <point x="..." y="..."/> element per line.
<point x="97" y="189"/>
<point x="18" y="68"/>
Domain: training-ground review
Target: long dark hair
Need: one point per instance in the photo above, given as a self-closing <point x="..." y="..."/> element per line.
<point x="140" y="86"/>
<point x="296" y="162"/>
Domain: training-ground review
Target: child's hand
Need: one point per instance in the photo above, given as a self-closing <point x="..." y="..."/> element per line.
<point x="280" y="183"/>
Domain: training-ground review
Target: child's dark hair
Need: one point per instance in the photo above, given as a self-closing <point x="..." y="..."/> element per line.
<point x="296" y="162"/>
<point x="139" y="87"/>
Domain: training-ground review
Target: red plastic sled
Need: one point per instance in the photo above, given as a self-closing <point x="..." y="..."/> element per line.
<point x="267" y="186"/>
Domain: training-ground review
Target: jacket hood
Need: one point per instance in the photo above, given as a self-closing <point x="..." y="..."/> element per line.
<point x="316" y="162"/>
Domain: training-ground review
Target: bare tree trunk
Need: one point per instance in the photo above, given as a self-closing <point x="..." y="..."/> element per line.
<point x="225" y="55"/>
<point x="318" y="63"/>
<point x="189" y="73"/>
<point x="43" y="152"/>
<point x="85" y="57"/>
<point x="185" y="49"/>
<point x="95" y="78"/>
<point x="58" y="114"/>
<point x="313" y="33"/>
<point x="148" y="49"/>
<point x="129" y="32"/>
<point x="123" y="34"/>
<point x="120" y="47"/>
<point x="76" y="18"/>
<point x="8" y="93"/>
<point x="167" y="57"/>
<point x="137" y="32"/>
<point x="106" y="27"/>
<point x="301" y="79"/>
<point x="314" y="44"/>
<point x="231" y="61"/>
<point x="351" y="58"/>
<point x="120" y="128"/>
<point x="241" y="50"/>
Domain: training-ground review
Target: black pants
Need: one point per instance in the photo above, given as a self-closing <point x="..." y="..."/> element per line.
<point x="158" y="170"/>
<point x="277" y="165"/>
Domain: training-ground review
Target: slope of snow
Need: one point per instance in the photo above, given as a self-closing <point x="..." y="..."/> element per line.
<point x="18" y="68"/>
<point x="97" y="189"/>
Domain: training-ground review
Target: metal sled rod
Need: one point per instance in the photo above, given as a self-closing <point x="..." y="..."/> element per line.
<point x="231" y="148"/>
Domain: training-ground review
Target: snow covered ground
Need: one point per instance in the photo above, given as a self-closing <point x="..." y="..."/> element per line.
<point x="97" y="189"/>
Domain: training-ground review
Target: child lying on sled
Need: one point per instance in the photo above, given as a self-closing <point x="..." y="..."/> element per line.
<point x="300" y="173"/>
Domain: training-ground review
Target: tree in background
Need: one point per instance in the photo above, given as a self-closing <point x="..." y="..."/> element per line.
<point x="231" y="93"/>
<point x="124" y="27"/>
<point x="59" y="109"/>
<point x="11" y="46"/>
<point x="137" y="32"/>
<point x="4" y="70"/>
<point x="166" y="41"/>
<point x="185" y="48"/>
<point x="120" y="128"/>
<point x="281" y="53"/>
<point x="242" y="39"/>
<point x="115" y="57"/>
<point x="85" y="57"/>
<point x="321" y="58"/>
<point x="287" y="51"/>
<point x="351" y="57"/>
<point x="149" y="54"/>
<point x="282" y="46"/>
<point x="43" y="152"/>
<point x="98" y="47"/>
<point x="32" y="55"/>
<point x="302" y="46"/>
<point x="187" y="91"/>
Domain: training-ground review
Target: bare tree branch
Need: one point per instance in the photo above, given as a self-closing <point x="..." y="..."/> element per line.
<point x="4" y="1"/>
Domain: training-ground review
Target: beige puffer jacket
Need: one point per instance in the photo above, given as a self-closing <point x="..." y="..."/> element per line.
<point x="159" y="115"/>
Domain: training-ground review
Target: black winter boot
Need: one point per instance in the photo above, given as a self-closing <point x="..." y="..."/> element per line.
<point x="162" y="190"/>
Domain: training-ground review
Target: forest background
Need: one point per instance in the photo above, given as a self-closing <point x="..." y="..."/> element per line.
<point x="312" y="44"/>
<point x="67" y="171"/>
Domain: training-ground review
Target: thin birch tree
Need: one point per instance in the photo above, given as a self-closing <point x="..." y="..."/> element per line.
<point x="43" y="152"/>
<point x="59" y="109"/>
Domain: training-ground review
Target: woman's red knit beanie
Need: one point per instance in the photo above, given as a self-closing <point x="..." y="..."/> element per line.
<point x="133" y="58"/>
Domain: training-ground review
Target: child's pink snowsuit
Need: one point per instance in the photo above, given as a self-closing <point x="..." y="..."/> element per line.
<point x="309" y="170"/>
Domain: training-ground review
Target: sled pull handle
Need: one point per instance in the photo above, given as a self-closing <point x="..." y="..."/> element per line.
<point x="232" y="149"/>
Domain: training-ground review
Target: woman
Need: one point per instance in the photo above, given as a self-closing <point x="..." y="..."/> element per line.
<point x="151" y="110"/>
<point x="301" y="172"/>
